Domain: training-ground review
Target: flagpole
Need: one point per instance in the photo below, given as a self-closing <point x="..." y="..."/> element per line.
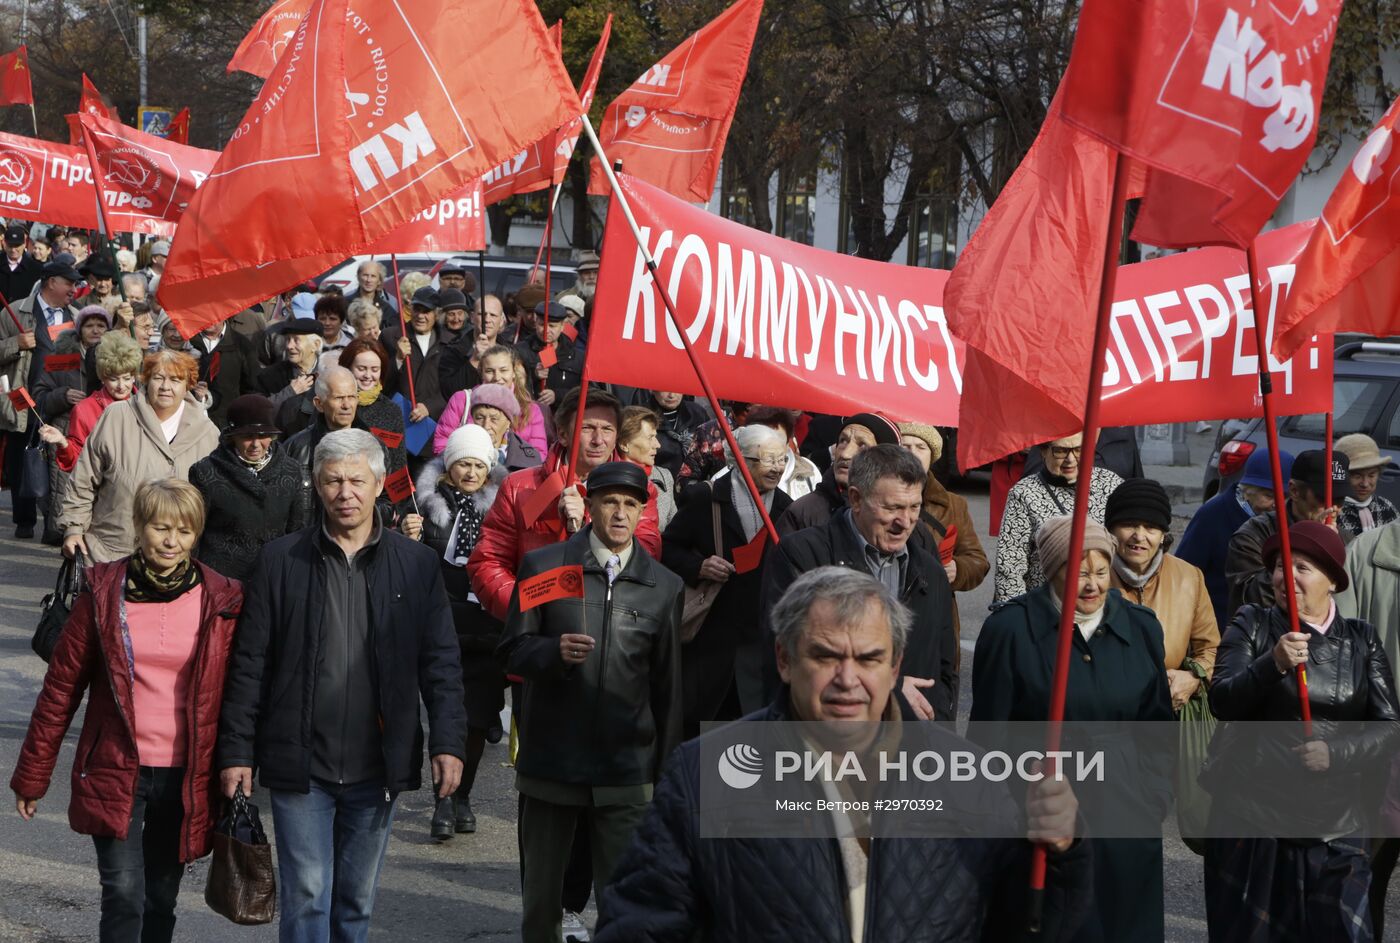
<point x="1266" y="388"/>
<point x="1327" y="434"/>
<point x="676" y="323"/>
<point x="35" y="118"/>
<point x="403" y="327"/>
<point x="548" y="263"/>
<point x="1070" y="591"/>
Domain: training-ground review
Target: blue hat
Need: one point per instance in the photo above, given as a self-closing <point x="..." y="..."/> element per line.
<point x="1259" y="473"/>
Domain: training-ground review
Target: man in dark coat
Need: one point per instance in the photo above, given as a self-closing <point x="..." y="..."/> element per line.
<point x="21" y="270"/>
<point x="254" y="492"/>
<point x="1206" y="542"/>
<point x="858" y="433"/>
<point x="418" y="352"/>
<point x="840" y="635"/>
<point x="228" y="364"/>
<point x="566" y="373"/>
<point x="874" y="534"/>
<point x="345" y="628"/>
<point x="622" y="673"/>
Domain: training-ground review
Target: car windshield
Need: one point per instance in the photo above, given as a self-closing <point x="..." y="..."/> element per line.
<point x="1357" y="403"/>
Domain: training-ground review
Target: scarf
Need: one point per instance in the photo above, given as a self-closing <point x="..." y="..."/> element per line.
<point x="749" y="518"/>
<point x="466" y="527"/>
<point x="1058" y="481"/>
<point x="1129" y="578"/>
<point x="1086" y="623"/>
<point x="257" y="466"/>
<point x="367" y="397"/>
<point x="145" y="585"/>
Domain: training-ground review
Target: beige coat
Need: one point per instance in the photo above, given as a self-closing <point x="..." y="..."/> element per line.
<point x="1177" y="594"/>
<point x="125" y="450"/>
<point x="1373" y="570"/>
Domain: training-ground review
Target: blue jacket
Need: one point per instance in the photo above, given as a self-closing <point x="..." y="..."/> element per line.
<point x="1206" y="543"/>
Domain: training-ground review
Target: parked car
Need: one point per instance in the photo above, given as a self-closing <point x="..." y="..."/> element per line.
<point x="504" y="274"/>
<point x="1366" y="398"/>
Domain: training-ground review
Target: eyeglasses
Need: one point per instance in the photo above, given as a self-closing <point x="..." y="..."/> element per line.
<point x="774" y="462"/>
<point x="1064" y="453"/>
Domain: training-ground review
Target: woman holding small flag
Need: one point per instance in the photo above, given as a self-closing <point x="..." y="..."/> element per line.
<point x="1278" y="884"/>
<point x="722" y="664"/>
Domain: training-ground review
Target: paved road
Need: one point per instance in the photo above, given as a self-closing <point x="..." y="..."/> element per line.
<point x="466" y="889"/>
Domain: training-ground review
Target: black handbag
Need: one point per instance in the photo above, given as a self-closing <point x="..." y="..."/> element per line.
<point x="34" y="476"/>
<point x="242" y="885"/>
<point x="57" y="605"/>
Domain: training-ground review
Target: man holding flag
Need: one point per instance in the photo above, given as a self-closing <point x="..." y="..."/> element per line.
<point x="593" y="628"/>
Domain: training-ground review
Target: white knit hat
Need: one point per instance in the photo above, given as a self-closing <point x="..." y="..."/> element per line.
<point x="469" y="442"/>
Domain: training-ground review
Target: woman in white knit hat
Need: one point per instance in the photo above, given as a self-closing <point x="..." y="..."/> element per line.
<point x="455" y="490"/>
<point x="1363" y="509"/>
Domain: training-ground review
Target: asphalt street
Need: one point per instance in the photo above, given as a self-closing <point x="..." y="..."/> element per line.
<point x="465" y="889"/>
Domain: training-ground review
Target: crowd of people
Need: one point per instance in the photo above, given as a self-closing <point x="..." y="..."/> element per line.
<point x="306" y="521"/>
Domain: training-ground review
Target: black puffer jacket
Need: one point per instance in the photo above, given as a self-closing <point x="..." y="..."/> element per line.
<point x="612" y="720"/>
<point x="674" y="886"/>
<point x="270" y="689"/>
<point x="477" y="631"/>
<point x="245" y="509"/>
<point x="1349" y="679"/>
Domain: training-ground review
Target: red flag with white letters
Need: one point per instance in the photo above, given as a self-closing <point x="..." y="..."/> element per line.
<point x="259" y="51"/>
<point x="372" y="115"/>
<point x="144" y="181"/>
<point x="669" y="127"/>
<point x="16" y="85"/>
<point x="1218" y="97"/>
<point x="1349" y="276"/>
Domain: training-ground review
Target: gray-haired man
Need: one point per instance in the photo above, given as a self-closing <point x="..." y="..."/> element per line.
<point x="840" y="635"/>
<point x="345" y="626"/>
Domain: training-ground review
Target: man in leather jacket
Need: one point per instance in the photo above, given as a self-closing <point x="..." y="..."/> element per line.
<point x="593" y="629"/>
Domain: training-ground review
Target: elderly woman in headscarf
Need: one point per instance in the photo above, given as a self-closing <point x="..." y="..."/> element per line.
<point x="722" y="666"/>
<point x="455" y="491"/>
<point x="1256" y="885"/>
<point x="1115" y="674"/>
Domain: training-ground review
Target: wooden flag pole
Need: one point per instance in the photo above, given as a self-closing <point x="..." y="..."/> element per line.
<point x="1069" y="592"/>
<point x="670" y="307"/>
<point x="1266" y="388"/>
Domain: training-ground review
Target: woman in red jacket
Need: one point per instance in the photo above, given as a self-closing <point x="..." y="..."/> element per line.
<point x="149" y="638"/>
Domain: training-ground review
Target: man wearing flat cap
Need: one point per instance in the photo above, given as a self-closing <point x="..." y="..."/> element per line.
<point x="419" y="351"/>
<point x="101" y="277"/>
<point x="567" y="370"/>
<point x="858" y="433"/>
<point x="21" y="270"/>
<point x="600" y="656"/>
<point x="454" y="275"/>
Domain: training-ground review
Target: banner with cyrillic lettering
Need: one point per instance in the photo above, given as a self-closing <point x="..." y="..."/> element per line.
<point x="46" y="182"/>
<point x="784" y="324"/>
<point x="454" y="223"/>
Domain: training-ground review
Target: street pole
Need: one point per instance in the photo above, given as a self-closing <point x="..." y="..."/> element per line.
<point x="24" y="27"/>
<point x="141" y="54"/>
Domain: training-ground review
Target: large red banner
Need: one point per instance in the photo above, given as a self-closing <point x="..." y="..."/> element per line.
<point x="789" y="325"/>
<point x="46" y="182"/>
<point x="146" y="181"/>
<point x="455" y="223"/>
<point x="270" y="36"/>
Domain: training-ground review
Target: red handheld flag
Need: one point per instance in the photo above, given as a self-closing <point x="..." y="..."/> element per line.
<point x="399" y="485"/>
<point x="948" y="544"/>
<point x="669" y="127"/>
<point x="259" y="51"/>
<point x="562" y="582"/>
<point x="145" y="181"/>
<point x="16" y="84"/>
<point x="331" y="157"/>
<point x="1219" y="97"/>
<point x="21" y="400"/>
<point x="179" y="129"/>
<point x="1349" y="276"/>
<point x="750" y="556"/>
<point x="58" y="363"/>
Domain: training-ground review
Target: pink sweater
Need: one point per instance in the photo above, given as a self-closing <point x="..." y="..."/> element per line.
<point x="454" y="415"/>
<point x="164" y="636"/>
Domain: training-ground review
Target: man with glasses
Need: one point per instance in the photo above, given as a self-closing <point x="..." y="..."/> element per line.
<point x="884" y="494"/>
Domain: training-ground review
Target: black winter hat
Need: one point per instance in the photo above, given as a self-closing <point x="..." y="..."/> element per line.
<point x="1139" y="501"/>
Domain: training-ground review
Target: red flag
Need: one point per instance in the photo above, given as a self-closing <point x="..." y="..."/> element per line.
<point x="562" y="582"/>
<point x="332" y="156"/>
<point x="454" y="223"/>
<point x="90" y="102"/>
<point x="669" y="127"/>
<point x="268" y="39"/>
<point x="532" y="169"/>
<point x="16" y="85"/>
<point x="21" y="400"/>
<point x="1052" y="216"/>
<point x="1349" y="276"/>
<point x="948" y="544"/>
<point x="179" y="129"/>
<point x="144" y="180"/>
<point x="399" y="485"/>
<point x="1219" y="97"/>
<point x="58" y="363"/>
<point x="750" y="555"/>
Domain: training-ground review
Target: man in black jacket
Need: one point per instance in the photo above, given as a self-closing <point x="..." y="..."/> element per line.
<point x="345" y="626"/>
<point x="605" y="703"/>
<point x="875" y="534"/>
<point x="21" y="270"/>
<point x="840" y="635"/>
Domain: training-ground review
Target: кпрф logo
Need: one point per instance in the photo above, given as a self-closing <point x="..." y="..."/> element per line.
<point x="740" y="766"/>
